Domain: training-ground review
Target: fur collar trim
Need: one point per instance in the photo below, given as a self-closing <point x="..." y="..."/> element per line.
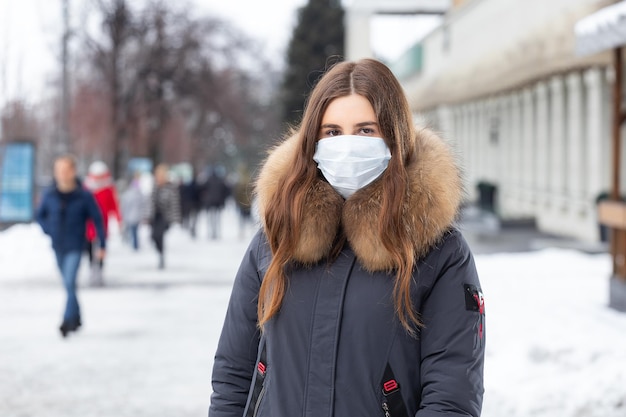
<point x="429" y="209"/>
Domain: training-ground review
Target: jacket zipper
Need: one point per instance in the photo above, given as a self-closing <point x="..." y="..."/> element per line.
<point x="258" y="401"/>
<point x="386" y="409"/>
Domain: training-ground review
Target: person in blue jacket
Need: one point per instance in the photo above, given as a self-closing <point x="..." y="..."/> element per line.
<point x="63" y="214"/>
<point x="359" y="296"/>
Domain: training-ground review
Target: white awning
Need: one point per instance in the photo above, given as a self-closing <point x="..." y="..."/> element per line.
<point x="602" y="30"/>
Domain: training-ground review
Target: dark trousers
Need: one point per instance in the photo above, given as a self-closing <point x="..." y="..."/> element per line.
<point x="159" y="227"/>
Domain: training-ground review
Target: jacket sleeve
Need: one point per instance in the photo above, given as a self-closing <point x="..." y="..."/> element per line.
<point x="115" y="205"/>
<point x="42" y="214"/>
<point x="95" y="215"/>
<point x="237" y="349"/>
<point x="453" y="337"/>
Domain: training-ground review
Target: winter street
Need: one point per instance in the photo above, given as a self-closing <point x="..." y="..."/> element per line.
<point x="148" y="337"/>
<point x="146" y="347"/>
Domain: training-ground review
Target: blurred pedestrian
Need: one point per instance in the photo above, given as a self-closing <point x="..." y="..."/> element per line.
<point x="242" y="194"/>
<point x="132" y="204"/>
<point x="63" y="214"/>
<point x="190" y="204"/>
<point x="360" y="296"/>
<point x="163" y="209"/>
<point x="214" y="193"/>
<point x="100" y="182"/>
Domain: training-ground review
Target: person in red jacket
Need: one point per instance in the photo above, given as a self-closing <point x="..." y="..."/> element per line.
<point x="100" y="183"/>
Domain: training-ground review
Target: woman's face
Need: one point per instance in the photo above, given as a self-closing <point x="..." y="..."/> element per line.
<point x="349" y="115"/>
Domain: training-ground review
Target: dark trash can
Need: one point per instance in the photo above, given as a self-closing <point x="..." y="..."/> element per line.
<point x="487" y="193"/>
<point x="603" y="229"/>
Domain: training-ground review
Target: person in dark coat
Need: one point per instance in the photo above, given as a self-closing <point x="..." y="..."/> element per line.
<point x="359" y="296"/>
<point x="215" y="192"/>
<point x="163" y="210"/>
<point x="242" y="194"/>
<point x="190" y="204"/>
<point x="63" y="214"/>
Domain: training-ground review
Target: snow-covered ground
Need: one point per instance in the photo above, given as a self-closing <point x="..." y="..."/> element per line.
<point x="554" y="348"/>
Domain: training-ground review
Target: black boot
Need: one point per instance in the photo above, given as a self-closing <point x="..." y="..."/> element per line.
<point x="65" y="329"/>
<point x="70" y="326"/>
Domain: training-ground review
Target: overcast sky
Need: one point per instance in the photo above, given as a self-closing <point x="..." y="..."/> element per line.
<point x="30" y="35"/>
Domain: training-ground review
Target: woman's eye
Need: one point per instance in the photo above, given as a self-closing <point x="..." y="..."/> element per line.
<point x="367" y="131"/>
<point x="333" y="132"/>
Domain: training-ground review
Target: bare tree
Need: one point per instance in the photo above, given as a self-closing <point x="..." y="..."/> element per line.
<point x="193" y="85"/>
<point x="108" y="56"/>
<point x="19" y="121"/>
<point x="90" y="121"/>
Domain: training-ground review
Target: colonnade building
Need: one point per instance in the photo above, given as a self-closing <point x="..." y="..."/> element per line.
<point x="502" y="82"/>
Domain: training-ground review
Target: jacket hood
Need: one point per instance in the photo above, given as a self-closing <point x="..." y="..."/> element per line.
<point x="429" y="209"/>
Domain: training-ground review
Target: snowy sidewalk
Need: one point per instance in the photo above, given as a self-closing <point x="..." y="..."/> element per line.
<point x="554" y="349"/>
<point x="146" y="347"/>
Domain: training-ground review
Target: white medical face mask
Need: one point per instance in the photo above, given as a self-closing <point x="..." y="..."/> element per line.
<point x="350" y="162"/>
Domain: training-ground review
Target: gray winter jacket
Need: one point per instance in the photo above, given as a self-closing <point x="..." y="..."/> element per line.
<point x="327" y="350"/>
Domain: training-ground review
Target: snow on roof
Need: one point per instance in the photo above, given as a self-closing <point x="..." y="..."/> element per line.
<point x="602" y="30"/>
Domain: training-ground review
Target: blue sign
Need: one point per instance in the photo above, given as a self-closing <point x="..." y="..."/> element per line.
<point x="17" y="162"/>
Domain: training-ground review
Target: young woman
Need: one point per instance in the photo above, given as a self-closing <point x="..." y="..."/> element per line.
<point x="359" y="297"/>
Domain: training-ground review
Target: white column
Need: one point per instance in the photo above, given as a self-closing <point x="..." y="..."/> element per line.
<point x="558" y="149"/>
<point x="477" y="151"/>
<point x="581" y="216"/>
<point x="472" y="152"/>
<point x="491" y="164"/>
<point x="453" y="136"/>
<point x="445" y="122"/>
<point x="596" y="144"/>
<point x="507" y="154"/>
<point x="486" y="161"/>
<point x="597" y="155"/>
<point x="461" y="136"/>
<point x="528" y="148"/>
<point x="358" y="33"/>
<point x="471" y="123"/>
<point x="463" y="148"/>
<point x="516" y="153"/>
<point x="482" y="138"/>
<point x="576" y="169"/>
<point x="542" y="150"/>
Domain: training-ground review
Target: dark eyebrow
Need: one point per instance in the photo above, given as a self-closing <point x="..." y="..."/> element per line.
<point x="366" y="124"/>
<point x="333" y="126"/>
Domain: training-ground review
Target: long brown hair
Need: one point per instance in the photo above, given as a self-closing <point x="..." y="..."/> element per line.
<point x="284" y="213"/>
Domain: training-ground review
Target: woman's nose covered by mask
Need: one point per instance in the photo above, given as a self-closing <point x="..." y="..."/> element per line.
<point x="350" y="162"/>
